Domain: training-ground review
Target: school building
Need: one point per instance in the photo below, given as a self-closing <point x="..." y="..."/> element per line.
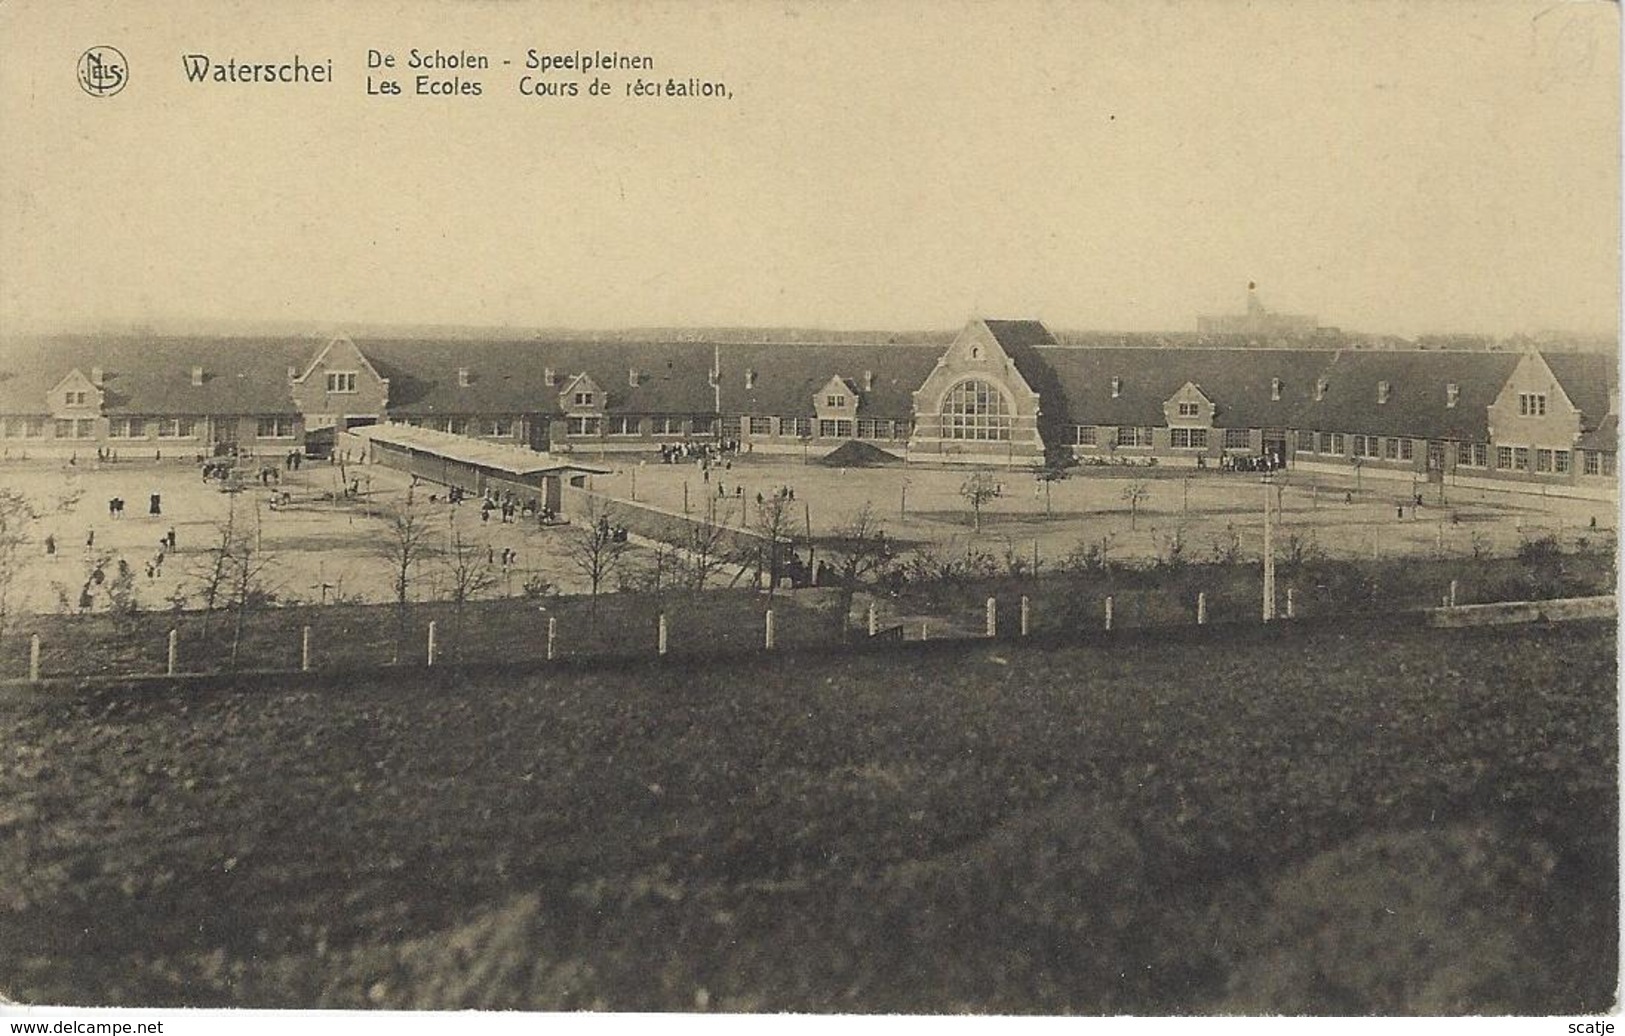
<point x="1002" y="392"/>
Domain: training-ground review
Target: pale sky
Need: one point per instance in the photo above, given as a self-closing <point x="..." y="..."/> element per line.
<point x="1409" y="167"/>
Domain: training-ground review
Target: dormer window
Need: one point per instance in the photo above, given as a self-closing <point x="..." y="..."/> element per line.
<point x="1117" y="387"/>
<point x="1275" y="389"/>
<point x="834" y="401"/>
<point x="583" y="399"/>
<point x="1320" y="389"/>
<point x="1190" y="410"/>
<point x="1383" y="391"/>
<point x="1452" y="392"/>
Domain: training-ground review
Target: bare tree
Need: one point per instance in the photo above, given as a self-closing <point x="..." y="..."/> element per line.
<point x="859" y="548"/>
<point x="597" y="549"/>
<point x="978" y="490"/>
<point x="1135" y="494"/>
<point x="247" y="588"/>
<point x="404" y="546"/>
<point x="469" y="574"/>
<point x="774" y="525"/>
<point x="16" y="515"/>
<point x="213" y="573"/>
<point x="705" y="546"/>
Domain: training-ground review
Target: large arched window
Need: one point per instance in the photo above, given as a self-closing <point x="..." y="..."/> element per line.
<point x="974" y="409"/>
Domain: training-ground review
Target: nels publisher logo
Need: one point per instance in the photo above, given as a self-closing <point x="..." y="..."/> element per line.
<point x="103" y="71"/>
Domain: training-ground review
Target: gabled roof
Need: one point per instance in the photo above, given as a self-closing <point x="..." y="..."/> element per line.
<point x="787" y="377"/>
<point x="1603" y="438"/>
<point x="510" y="376"/>
<point x="1014" y="334"/>
<point x="1237" y="381"/>
<point x="1418" y="393"/>
<point x="150" y="375"/>
<point x="1589" y="379"/>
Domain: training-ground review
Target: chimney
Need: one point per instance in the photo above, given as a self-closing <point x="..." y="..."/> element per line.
<point x="96" y="376"/>
<point x="462" y="377"/>
<point x="1275" y="388"/>
<point x="750" y="378"/>
<point x="1383" y="390"/>
<point x="293" y="374"/>
<point x="868" y="381"/>
<point x="1452" y="393"/>
<point x="549" y="377"/>
<point x="1117" y="387"/>
<point x="197" y="376"/>
<point x="1320" y="389"/>
<point x="632" y="376"/>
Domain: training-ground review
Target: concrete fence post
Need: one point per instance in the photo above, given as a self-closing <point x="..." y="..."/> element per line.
<point x="552" y="637"/>
<point x="1291" y="603"/>
<point x="1026" y="614"/>
<point x="174" y="650"/>
<point x="660" y="641"/>
<point x="767" y="630"/>
<point x="1201" y="608"/>
<point x="304" y="650"/>
<point x="1451" y="601"/>
<point x="1108" y="613"/>
<point x="33" y="658"/>
<point x="992" y="617"/>
<point x="874" y="620"/>
<point x="431" y="642"/>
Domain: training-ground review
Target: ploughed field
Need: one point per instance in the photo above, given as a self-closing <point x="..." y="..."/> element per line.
<point x="1325" y="820"/>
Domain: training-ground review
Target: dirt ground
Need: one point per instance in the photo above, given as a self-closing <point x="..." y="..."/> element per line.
<point x="1206" y="510"/>
<point x="326" y="551"/>
<point x="323" y="551"/>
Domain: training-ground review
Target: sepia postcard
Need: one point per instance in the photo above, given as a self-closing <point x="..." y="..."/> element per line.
<point x="673" y="513"/>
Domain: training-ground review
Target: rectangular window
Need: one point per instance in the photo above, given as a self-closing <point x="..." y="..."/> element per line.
<point x="1086" y="435"/>
<point x="1359" y="446"/>
<point x="1593" y="464"/>
<point x="665" y="424"/>
<point x="1543" y="461"/>
<point x="730" y="427"/>
<point x="275" y="428"/>
<point x="583" y="399"/>
<point x="118" y="428"/>
<point x="1608" y="465"/>
<point x="800" y="427"/>
<point x="834" y="402"/>
<point x="761" y="426"/>
<point x="1133" y="436"/>
<point x="1390" y="449"/>
<point x="1560" y="462"/>
<point x="175" y="428"/>
<point x="457" y="426"/>
<point x="1337" y="443"/>
<point x="1188" y="438"/>
<point x="1190" y="410"/>
<point x="84" y="428"/>
<point x="582" y="426"/>
<point x="1324" y="443"/>
<point x="74" y="398"/>
<point x="874" y="428"/>
<point x="1236" y="439"/>
<point x="1531" y="404"/>
<point x="1306" y="442"/>
<point x="1520" y="458"/>
<point x="34" y="428"/>
<point x="341" y="381"/>
<point x="705" y="424"/>
<point x="623" y="424"/>
<point x="1407" y="449"/>
<point x="1481" y="455"/>
<point x="1503" y="458"/>
<point x="829" y="429"/>
<point x="502" y="427"/>
<point x="1464" y="454"/>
